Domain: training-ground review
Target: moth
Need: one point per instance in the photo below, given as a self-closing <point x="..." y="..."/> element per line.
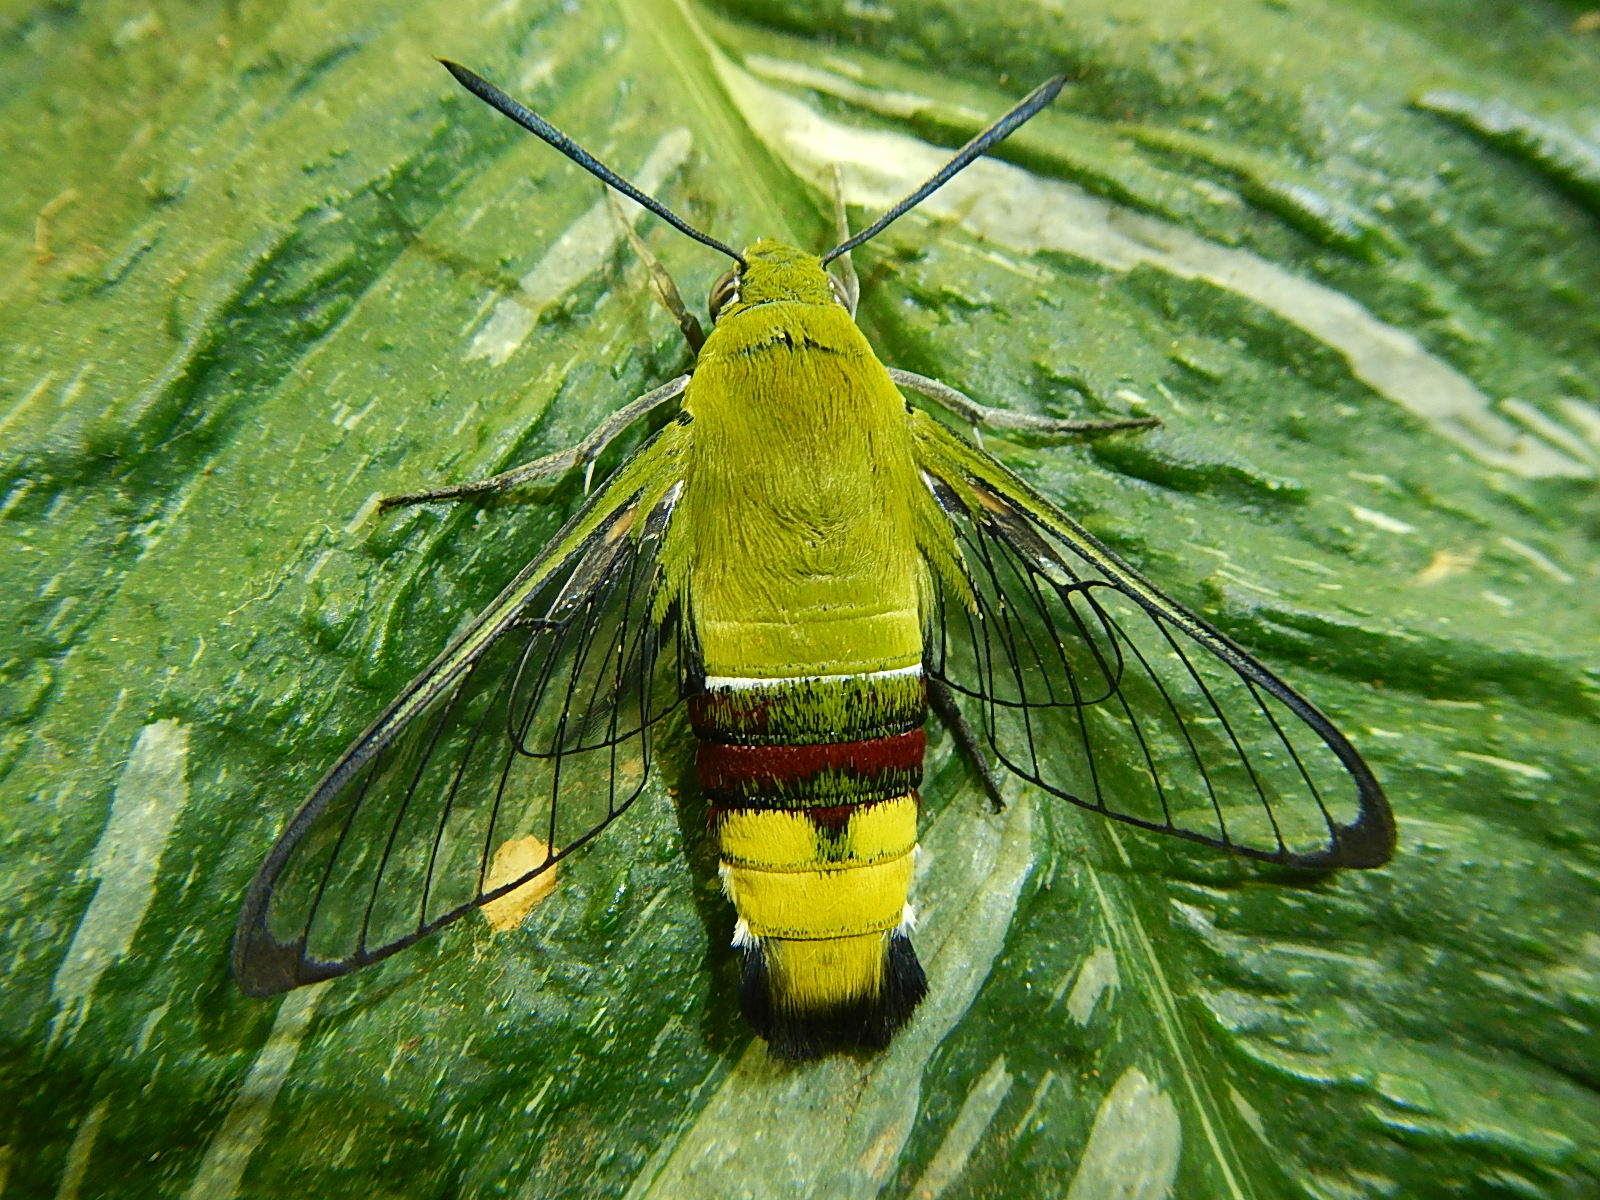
<point x="810" y="563"/>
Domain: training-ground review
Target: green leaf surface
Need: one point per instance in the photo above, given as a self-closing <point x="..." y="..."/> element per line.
<point x="264" y="263"/>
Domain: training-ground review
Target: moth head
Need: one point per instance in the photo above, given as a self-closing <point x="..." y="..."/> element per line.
<point x="773" y="271"/>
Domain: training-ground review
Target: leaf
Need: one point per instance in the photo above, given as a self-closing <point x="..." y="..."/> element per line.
<point x="264" y="264"/>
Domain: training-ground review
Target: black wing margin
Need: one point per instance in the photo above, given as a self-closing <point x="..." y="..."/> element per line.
<point x="1099" y="689"/>
<point x="520" y="743"/>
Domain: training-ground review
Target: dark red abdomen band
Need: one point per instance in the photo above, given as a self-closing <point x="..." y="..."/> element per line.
<point x="811" y="743"/>
<point x="817" y="773"/>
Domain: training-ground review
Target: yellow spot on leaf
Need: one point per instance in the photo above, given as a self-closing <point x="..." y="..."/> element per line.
<point x="511" y="861"/>
<point x="1444" y="565"/>
<point x="43" y="225"/>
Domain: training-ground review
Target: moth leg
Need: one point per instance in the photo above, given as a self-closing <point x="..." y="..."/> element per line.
<point x="943" y="703"/>
<point x="979" y="415"/>
<point x="661" y="285"/>
<point x="845" y="270"/>
<point x="551" y="466"/>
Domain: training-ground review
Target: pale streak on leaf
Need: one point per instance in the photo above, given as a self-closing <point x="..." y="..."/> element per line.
<point x="580" y="250"/>
<point x="1380" y="520"/>
<point x="768" y="1121"/>
<point x="78" y="1154"/>
<point x="25" y="401"/>
<point x="977" y="1111"/>
<point x="1035" y="1103"/>
<point x="1564" y="157"/>
<point x="1526" y="770"/>
<point x="1543" y="561"/>
<point x="1574" y="443"/>
<point x="151" y="793"/>
<point x="1248" y="1111"/>
<point x="1133" y="1147"/>
<point x="231" y="1147"/>
<point x="881" y="100"/>
<point x="1096" y="977"/>
<point x="1004" y="204"/>
<point x="1585" y="419"/>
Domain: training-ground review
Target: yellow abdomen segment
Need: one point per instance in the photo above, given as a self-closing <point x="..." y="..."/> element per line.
<point x="789" y="877"/>
<point x="820" y="904"/>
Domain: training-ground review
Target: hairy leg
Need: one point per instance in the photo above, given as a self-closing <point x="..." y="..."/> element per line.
<point x="661" y="285"/>
<point x="981" y="415"/>
<point x="943" y="703"/>
<point x="845" y="270"/>
<point x="551" y="466"/>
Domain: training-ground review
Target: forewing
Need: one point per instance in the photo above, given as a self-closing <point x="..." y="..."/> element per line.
<point x="525" y="739"/>
<point x="1101" y="690"/>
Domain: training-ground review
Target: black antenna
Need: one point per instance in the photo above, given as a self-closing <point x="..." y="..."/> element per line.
<point x="1030" y="105"/>
<point x="535" y="124"/>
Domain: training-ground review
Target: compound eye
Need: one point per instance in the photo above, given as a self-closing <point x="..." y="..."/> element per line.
<point x="839" y="294"/>
<point x="724" y="292"/>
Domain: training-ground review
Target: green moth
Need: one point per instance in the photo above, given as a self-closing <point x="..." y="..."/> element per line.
<point x="810" y="564"/>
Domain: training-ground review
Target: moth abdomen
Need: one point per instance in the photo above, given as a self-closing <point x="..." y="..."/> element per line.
<point x="817" y="829"/>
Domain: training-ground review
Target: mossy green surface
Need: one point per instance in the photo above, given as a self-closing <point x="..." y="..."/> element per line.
<point x="264" y="263"/>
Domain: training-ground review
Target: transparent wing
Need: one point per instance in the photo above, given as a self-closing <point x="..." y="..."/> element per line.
<point x="525" y="739"/>
<point x="1099" y="689"/>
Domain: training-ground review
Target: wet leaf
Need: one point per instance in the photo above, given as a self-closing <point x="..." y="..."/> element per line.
<point x="263" y="264"/>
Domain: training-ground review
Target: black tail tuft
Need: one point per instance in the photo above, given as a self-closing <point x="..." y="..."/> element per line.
<point x="866" y="1022"/>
